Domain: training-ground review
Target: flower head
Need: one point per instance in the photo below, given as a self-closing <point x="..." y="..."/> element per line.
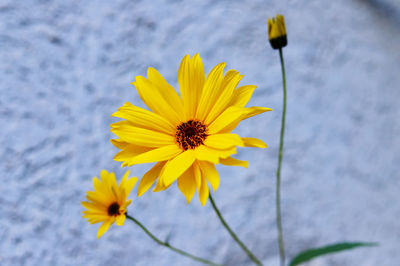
<point x="188" y="134"/>
<point x="277" y="32"/>
<point x="108" y="202"/>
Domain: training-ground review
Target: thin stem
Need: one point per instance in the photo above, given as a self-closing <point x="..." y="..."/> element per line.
<point x="234" y="236"/>
<point x="166" y="244"/>
<point x="278" y="171"/>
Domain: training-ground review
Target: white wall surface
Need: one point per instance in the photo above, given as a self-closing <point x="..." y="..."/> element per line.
<point x="65" y="66"/>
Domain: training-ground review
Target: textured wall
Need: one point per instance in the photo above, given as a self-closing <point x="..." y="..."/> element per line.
<point x="65" y="66"/>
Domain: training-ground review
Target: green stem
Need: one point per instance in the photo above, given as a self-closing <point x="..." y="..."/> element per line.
<point x="234" y="236"/>
<point x="166" y="244"/>
<point x="278" y="171"/>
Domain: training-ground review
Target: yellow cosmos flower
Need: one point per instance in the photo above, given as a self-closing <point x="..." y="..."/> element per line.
<point x="277" y="32"/>
<point x="108" y="202"/>
<point x="188" y="134"/>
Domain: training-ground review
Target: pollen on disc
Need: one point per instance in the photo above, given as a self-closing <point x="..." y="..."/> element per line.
<point x="190" y="134"/>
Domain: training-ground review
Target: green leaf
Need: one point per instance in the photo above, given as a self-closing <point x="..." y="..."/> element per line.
<point x="316" y="252"/>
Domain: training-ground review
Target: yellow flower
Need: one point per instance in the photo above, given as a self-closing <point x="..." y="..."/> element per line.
<point x="277" y="32"/>
<point x="185" y="135"/>
<point x="108" y="202"/>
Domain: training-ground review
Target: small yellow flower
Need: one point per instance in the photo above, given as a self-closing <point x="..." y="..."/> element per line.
<point x="108" y="202"/>
<point x="188" y="134"/>
<point x="277" y="32"/>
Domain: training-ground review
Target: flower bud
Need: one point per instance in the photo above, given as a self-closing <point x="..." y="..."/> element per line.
<point x="277" y="32"/>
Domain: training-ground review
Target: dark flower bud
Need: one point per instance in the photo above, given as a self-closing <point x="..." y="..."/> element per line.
<point x="277" y="32"/>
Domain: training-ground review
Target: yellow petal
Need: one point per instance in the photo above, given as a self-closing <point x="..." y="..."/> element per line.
<point x="276" y="27"/>
<point x="160" y="154"/>
<point x="211" y="91"/>
<point x="104" y="227"/>
<point x="126" y="203"/>
<point x="197" y="174"/>
<point x="120" y="220"/>
<point x="124" y="178"/>
<point x="231" y="80"/>
<point x="159" y="186"/>
<point x="223" y="141"/>
<point x="125" y="189"/>
<point x="92" y="213"/>
<point x="148" y="179"/>
<point x="104" y="176"/>
<point x="153" y="98"/>
<point x="140" y="136"/>
<point x="187" y="184"/>
<point x="232" y="115"/>
<point x="191" y="81"/>
<point x="128" y="186"/>
<point x="108" y="186"/>
<point x="121" y="196"/>
<point x="208" y="170"/>
<point x="253" y="142"/>
<point x="176" y="167"/>
<point x="140" y="117"/>
<point x="252" y="111"/>
<point x="234" y="162"/>
<point x="249" y="112"/>
<point x="204" y="192"/>
<point x="130" y="151"/>
<point x="205" y="153"/>
<point x="120" y="144"/>
<point x="103" y="188"/>
<point x="166" y="90"/>
<point x="96" y="219"/>
<point x="242" y="95"/>
<point x="97" y="197"/>
<point x="94" y="206"/>
<point x="111" y="179"/>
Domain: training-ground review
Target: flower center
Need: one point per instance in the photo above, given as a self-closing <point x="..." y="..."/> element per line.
<point x="190" y="134"/>
<point x="113" y="209"/>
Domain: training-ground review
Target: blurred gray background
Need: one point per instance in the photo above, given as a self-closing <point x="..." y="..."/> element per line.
<point x="65" y="66"/>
